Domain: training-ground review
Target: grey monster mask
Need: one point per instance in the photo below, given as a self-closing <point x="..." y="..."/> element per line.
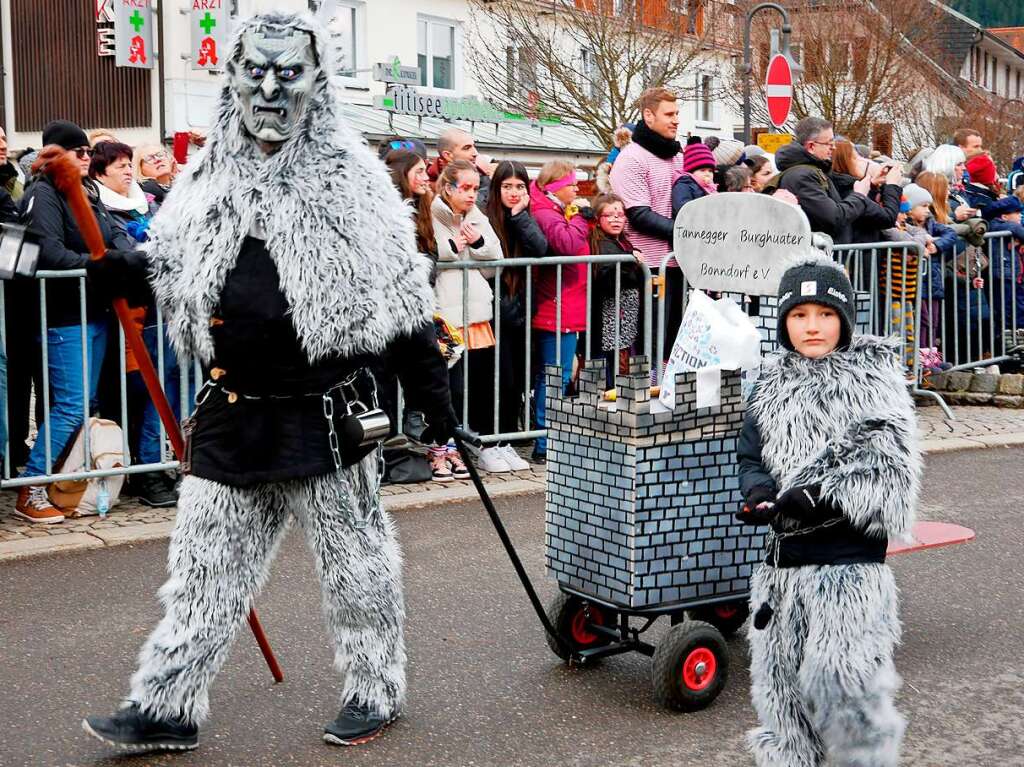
<point x="272" y="80"/>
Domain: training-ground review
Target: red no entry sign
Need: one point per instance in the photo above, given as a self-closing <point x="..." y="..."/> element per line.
<point x="778" y="89"/>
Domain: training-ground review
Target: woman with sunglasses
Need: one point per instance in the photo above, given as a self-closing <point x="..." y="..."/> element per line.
<point x="61" y="246"/>
<point x="153" y="170"/>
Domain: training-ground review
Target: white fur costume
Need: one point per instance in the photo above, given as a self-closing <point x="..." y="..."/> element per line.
<point x="822" y="673"/>
<point x="344" y="248"/>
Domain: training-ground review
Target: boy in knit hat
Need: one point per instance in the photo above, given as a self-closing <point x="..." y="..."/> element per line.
<point x="828" y="458"/>
<point x="697" y="179"/>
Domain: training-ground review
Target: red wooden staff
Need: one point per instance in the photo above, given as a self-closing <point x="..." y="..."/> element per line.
<point x="67" y="178"/>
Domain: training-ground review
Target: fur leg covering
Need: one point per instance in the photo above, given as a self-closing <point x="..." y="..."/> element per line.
<point x="219" y="555"/>
<point x="786" y="737"/>
<point x="360" y="573"/>
<point x="822" y="673"/>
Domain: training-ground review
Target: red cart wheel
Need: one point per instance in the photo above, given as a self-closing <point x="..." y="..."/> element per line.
<point x="572" y="617"/>
<point x="690" y="666"/>
<point x="727" y="617"/>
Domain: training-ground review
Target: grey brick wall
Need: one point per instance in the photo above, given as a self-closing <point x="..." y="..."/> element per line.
<point x="639" y="505"/>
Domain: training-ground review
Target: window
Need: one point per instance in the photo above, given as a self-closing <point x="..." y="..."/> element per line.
<point x="1007" y="81"/>
<point x="348" y="32"/>
<point x="520" y="72"/>
<point x="705" y="98"/>
<point x="435" y="49"/>
<point x="839" y="58"/>
<point x="591" y="76"/>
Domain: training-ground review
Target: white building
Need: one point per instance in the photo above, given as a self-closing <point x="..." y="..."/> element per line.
<point x="145" y="105"/>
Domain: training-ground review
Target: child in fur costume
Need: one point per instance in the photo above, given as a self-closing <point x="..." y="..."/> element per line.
<point x="828" y="457"/>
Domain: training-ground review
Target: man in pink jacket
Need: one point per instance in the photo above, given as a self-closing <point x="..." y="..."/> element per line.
<point x="642" y="176"/>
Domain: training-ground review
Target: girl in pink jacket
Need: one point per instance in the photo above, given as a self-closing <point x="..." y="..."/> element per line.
<point x="557" y="210"/>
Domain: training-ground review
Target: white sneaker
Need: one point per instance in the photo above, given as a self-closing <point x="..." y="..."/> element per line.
<point x="512" y="458"/>
<point x="492" y="460"/>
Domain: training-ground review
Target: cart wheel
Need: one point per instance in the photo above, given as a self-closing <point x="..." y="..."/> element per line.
<point x="690" y="666"/>
<point x="726" y="617"/>
<point x="569" y="615"/>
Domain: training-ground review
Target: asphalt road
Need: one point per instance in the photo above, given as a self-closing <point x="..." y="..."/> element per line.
<point x="484" y="688"/>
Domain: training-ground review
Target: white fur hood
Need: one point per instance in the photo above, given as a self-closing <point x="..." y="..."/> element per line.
<point x="335" y="226"/>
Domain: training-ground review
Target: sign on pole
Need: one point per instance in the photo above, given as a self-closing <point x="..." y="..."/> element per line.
<point x="133" y="32"/>
<point x="394" y="72"/>
<point x="773" y="142"/>
<point x="208" y="24"/>
<point x="738" y="242"/>
<point x="778" y="89"/>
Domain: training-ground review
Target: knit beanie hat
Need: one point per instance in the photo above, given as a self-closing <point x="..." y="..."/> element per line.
<point x="817" y="279"/>
<point x="64" y="134"/>
<point x="697" y="156"/>
<point x="982" y="170"/>
<point x="728" y="152"/>
<point x="917" y="195"/>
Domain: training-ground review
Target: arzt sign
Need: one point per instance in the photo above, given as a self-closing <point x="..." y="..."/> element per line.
<point x="133" y="32"/>
<point x="778" y="90"/>
<point x="208" y="24"/>
<point x="737" y="242"/>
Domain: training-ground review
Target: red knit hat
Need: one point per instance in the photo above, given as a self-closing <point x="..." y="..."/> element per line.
<point x="982" y="170"/>
<point x="697" y="156"/>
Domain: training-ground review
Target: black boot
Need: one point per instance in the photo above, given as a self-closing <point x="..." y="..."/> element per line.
<point x="156" y="490"/>
<point x="133" y="731"/>
<point x="356" y="724"/>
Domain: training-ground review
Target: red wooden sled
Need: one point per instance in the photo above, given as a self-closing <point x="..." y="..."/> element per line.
<point x="932" y="535"/>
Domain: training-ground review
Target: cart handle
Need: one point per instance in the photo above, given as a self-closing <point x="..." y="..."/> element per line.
<point x="462" y="436"/>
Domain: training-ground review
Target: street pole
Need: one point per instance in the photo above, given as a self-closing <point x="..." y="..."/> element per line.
<point x="748" y="66"/>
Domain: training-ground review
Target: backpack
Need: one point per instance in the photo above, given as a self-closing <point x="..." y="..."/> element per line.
<point x="79" y="498"/>
<point x="772" y="185"/>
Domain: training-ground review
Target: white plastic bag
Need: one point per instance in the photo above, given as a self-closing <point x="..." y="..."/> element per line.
<point x="713" y="336"/>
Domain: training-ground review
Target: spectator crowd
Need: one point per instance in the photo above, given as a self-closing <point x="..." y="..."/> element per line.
<point x="468" y="208"/>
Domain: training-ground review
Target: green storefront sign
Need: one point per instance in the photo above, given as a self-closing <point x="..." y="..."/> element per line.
<point x="408" y="101"/>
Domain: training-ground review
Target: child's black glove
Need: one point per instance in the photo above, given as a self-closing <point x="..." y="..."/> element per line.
<point x="805" y="504"/>
<point x="750" y="514"/>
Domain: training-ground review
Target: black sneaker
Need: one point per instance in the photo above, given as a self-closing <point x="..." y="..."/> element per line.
<point x="538" y="457"/>
<point x="132" y="731"/>
<point x="355" y="725"/>
<point x="156" y="490"/>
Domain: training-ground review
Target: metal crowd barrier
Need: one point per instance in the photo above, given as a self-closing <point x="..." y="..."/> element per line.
<point x="973" y="323"/>
<point x="43" y="278"/>
<point x="557" y="263"/>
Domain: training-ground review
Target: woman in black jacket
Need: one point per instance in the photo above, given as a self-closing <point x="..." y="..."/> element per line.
<point x="883" y="201"/>
<point x="509" y="213"/>
<point x="61" y="247"/>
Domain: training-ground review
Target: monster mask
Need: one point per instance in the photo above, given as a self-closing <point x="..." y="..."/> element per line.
<point x="272" y="80"/>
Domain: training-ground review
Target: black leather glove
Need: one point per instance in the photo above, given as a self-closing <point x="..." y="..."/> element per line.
<point x="122" y="274"/>
<point x="440" y="428"/>
<point x="805" y="504"/>
<point x="750" y="514"/>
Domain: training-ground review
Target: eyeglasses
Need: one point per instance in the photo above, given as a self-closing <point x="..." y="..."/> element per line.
<point x="154" y="158"/>
<point x="82" y="152"/>
<point x="831" y="143"/>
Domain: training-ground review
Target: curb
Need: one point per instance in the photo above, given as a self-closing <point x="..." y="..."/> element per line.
<point x="117" y="536"/>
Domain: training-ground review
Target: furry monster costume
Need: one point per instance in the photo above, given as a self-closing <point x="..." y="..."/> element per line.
<point x="285" y="272"/>
<point x="825" y="604"/>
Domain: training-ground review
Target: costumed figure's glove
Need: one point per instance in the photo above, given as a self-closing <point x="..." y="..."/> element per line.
<point x="751" y="514"/>
<point x="122" y="274"/>
<point x="805" y="504"/>
<point x="440" y="427"/>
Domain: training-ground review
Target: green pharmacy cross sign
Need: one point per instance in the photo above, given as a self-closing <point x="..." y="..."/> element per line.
<point x="133" y="34"/>
<point x="207" y="23"/>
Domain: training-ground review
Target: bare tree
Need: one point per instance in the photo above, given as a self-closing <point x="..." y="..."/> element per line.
<point x="585" y="62"/>
<point x="865" y="63"/>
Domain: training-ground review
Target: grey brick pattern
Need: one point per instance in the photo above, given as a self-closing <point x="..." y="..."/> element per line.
<point x="640" y="506"/>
